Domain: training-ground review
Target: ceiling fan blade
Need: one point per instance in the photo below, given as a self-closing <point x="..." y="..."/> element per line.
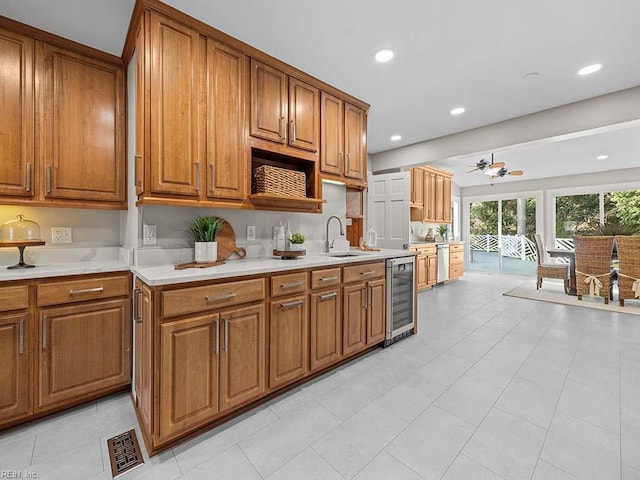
<point x="473" y="170"/>
<point x="516" y="172"/>
<point x="497" y="165"/>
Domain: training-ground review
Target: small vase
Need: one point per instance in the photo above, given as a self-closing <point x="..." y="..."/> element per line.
<point x="206" y="252"/>
<point x="296" y="247"/>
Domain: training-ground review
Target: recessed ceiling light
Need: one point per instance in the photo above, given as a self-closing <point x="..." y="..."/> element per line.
<point x="589" y="69"/>
<point x="384" y="55"/>
<point x="395" y="138"/>
<point x="457" y="111"/>
<point x="602" y="157"/>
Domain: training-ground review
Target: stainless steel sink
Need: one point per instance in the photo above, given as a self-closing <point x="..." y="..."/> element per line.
<point x="346" y="254"/>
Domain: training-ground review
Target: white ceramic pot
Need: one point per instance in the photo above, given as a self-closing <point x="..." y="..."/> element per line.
<point x="296" y="247"/>
<point x="206" y="252"/>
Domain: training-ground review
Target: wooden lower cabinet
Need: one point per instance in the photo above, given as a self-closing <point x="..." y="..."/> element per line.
<point x="288" y="340"/>
<point x="354" y="337"/>
<point x="143" y="350"/>
<point x="15" y="348"/>
<point x="83" y="349"/>
<point x="426" y="267"/>
<point x="376" y="312"/>
<point x="456" y="260"/>
<point x="326" y="328"/>
<point x="189" y="355"/>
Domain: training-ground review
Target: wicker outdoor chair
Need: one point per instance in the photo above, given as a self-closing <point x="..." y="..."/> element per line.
<point x="549" y="270"/>
<point x="593" y="266"/>
<point x="629" y="268"/>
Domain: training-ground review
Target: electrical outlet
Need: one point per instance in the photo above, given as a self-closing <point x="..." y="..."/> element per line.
<point x="149" y="234"/>
<point x="61" y="235"/>
<point x="251" y="233"/>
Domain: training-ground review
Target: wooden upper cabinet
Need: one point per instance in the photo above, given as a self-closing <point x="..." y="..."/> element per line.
<point x="355" y="141"/>
<point x="175" y="56"/>
<point x="417" y="187"/>
<point x="429" y="197"/>
<point x="16" y="120"/>
<point x="81" y="126"/>
<point x="269" y="101"/>
<point x="446" y="199"/>
<point x="304" y="115"/>
<point x="331" y="134"/>
<point x="439" y="199"/>
<point x="227" y="155"/>
<point x="15" y="348"/>
<point x="141" y="108"/>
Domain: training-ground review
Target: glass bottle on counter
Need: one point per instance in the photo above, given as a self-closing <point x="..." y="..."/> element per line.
<point x="371" y="237"/>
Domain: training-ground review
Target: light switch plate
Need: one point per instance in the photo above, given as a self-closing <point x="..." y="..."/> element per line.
<point x="251" y="233"/>
<point x="61" y="235"/>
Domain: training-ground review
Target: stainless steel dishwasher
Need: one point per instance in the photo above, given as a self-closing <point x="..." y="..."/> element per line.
<point x="401" y="288"/>
<point x="443" y="263"/>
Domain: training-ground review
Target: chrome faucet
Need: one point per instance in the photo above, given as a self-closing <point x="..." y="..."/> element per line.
<point x="327" y="245"/>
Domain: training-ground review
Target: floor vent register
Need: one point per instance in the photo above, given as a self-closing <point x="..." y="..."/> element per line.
<point x="124" y="453"/>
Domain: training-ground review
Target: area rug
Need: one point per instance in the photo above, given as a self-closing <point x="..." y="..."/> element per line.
<point x="552" y="292"/>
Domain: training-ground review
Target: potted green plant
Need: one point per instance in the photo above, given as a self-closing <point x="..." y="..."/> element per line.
<point x="204" y="230"/>
<point x="442" y="230"/>
<point x="297" y="241"/>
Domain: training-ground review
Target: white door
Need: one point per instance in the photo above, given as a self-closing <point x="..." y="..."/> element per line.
<point x="388" y="208"/>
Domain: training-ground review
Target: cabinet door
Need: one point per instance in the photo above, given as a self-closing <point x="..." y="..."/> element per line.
<point x="331" y="134"/>
<point x="143" y="318"/>
<point x="227" y="156"/>
<point x="446" y="199"/>
<point x="354" y="336"/>
<point x="429" y="197"/>
<point x="304" y="115"/>
<point x="84" y="349"/>
<point x="141" y="106"/>
<point x="417" y="187"/>
<point x="376" y="314"/>
<point x="421" y="271"/>
<point x="188" y="391"/>
<point x="432" y="266"/>
<point x="439" y="199"/>
<point x="268" y="102"/>
<point x="326" y="328"/>
<point x="355" y="142"/>
<point x="288" y="341"/>
<point x="82" y="126"/>
<point x="15" y="348"/>
<point x="174" y="76"/>
<point x="242" y="356"/>
<point x="16" y="120"/>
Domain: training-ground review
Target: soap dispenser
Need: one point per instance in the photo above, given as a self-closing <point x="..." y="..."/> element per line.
<point x="287" y="238"/>
<point x="280" y="238"/>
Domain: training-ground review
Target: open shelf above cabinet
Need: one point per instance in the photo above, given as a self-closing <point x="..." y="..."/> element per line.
<point x="268" y="201"/>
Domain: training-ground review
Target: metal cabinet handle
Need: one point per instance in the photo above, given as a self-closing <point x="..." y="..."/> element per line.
<point x="283" y="130"/>
<point x="328" y="295"/>
<point x="364" y="297"/>
<point x="86" y="290"/>
<point x="370" y="272"/>
<point x="197" y="164"/>
<point x="44" y="332"/>
<point x="212" y="183"/>
<point x="224" y="296"/>
<point x="371" y="296"/>
<point x="29" y="173"/>
<point x="217" y="324"/>
<point x="226" y="334"/>
<point x="136" y="305"/>
<point x="138" y="181"/>
<point x="21" y="336"/>
<point x="293" y="129"/>
<point x="295" y="303"/>
<point x="47" y="178"/>
<point x="295" y="284"/>
<point x="341" y="163"/>
<point x="329" y="279"/>
<point x="347" y="163"/>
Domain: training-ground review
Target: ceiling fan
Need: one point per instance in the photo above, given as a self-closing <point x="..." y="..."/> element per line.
<point x="503" y="171"/>
<point x="482" y="164"/>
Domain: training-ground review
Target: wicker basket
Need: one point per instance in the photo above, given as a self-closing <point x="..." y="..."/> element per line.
<point x="279" y="181"/>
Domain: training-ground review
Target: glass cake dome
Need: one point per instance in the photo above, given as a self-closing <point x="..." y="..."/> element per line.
<point x="20" y="230"/>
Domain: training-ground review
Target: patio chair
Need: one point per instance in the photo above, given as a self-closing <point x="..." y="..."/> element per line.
<point x="593" y="266"/>
<point x="628" y="268"/>
<point x="549" y="270"/>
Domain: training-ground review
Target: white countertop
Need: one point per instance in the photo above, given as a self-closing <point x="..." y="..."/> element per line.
<point x="63" y="269"/>
<point x="167" y="274"/>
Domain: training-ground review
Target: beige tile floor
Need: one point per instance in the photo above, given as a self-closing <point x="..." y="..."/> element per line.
<point x="492" y="388"/>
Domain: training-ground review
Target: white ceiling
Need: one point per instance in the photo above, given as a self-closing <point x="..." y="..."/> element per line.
<point x="467" y="52"/>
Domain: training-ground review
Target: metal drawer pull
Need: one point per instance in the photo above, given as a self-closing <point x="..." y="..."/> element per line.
<point x="86" y="290"/>
<point x="328" y="295"/>
<point x="291" y="304"/>
<point x="371" y="272"/>
<point x="295" y="284"/>
<point x="224" y="296"/>
<point x="21" y="337"/>
<point x="44" y="332"/>
<point x="217" y="324"/>
<point x="29" y="173"/>
<point x="47" y="179"/>
<point x="329" y="279"/>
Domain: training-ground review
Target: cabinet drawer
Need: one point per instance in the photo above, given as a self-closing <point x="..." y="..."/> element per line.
<point x="290" y="283"/>
<point x="456" y="247"/>
<point x="90" y="288"/>
<point x="456" y="258"/>
<point x="14" y="297"/>
<point x="362" y="272"/>
<point x="455" y="271"/>
<point x="198" y="299"/>
<point x="325" y="278"/>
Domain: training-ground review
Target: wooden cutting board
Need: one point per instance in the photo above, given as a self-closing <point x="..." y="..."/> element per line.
<point x="226" y="239"/>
